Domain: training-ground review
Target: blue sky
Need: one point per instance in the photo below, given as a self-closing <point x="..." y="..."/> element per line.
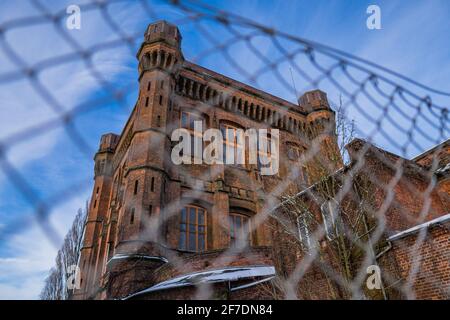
<point x="413" y="41"/>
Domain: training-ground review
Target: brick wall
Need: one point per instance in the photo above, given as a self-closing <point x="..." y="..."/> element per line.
<point x="431" y="261"/>
<point x="396" y="202"/>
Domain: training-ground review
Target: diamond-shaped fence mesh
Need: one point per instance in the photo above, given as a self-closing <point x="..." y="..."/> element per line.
<point x="327" y="232"/>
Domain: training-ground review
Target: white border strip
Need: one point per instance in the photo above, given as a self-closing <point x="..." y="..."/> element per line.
<point x="121" y="256"/>
<point x="407" y="232"/>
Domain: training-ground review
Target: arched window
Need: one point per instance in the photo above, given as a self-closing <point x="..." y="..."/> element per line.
<point x="239" y="228"/>
<point x="193" y="229"/>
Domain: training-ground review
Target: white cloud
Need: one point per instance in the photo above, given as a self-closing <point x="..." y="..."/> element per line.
<point x="28" y="255"/>
<point x="22" y="273"/>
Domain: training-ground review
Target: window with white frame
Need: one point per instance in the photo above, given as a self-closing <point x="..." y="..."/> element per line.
<point x="330" y="212"/>
<point x="304" y="232"/>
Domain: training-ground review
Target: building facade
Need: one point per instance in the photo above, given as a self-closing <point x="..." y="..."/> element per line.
<point x="156" y="229"/>
<point x="379" y="211"/>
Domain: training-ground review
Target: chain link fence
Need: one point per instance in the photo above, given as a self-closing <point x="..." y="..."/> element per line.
<point x="339" y="225"/>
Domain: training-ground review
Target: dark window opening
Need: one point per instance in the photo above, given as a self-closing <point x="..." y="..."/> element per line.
<point x="149" y="85"/>
<point x="136" y="185"/>
<point x="146" y="102"/>
<point x="152" y="185"/>
<point x="132" y="216"/>
<point x="160" y="99"/>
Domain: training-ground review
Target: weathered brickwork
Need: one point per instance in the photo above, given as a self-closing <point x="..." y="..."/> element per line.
<point x="400" y="195"/>
<point x="132" y="238"/>
<point x="138" y="192"/>
<point x="430" y="261"/>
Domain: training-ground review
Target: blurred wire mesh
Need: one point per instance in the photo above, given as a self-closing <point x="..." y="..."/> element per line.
<point x="386" y="108"/>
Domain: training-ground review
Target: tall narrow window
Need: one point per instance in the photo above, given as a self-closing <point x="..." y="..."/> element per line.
<point x="160" y="100"/>
<point x="239" y="228"/>
<point x="305" y="176"/>
<point x="187" y="121"/>
<point x="158" y="121"/>
<point x="136" y="186"/>
<point x="264" y="154"/>
<point x="303" y="232"/>
<point x="233" y="144"/>
<point x="192" y="229"/>
<point x="132" y="216"/>
<point x="150" y="210"/>
<point x="152" y="184"/>
<point x="330" y="211"/>
<point x="146" y="102"/>
<point x="149" y="85"/>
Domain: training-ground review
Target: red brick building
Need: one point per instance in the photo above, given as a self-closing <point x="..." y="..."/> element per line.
<point x="380" y="210"/>
<point x="155" y="229"/>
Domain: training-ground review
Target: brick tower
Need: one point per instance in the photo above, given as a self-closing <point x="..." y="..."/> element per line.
<point x="154" y="226"/>
<point x="321" y="135"/>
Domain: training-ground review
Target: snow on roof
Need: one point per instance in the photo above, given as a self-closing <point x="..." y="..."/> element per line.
<point x="404" y="233"/>
<point x="252" y="284"/>
<point x="443" y="169"/>
<point x="137" y="256"/>
<point x="430" y="150"/>
<point x="210" y="276"/>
